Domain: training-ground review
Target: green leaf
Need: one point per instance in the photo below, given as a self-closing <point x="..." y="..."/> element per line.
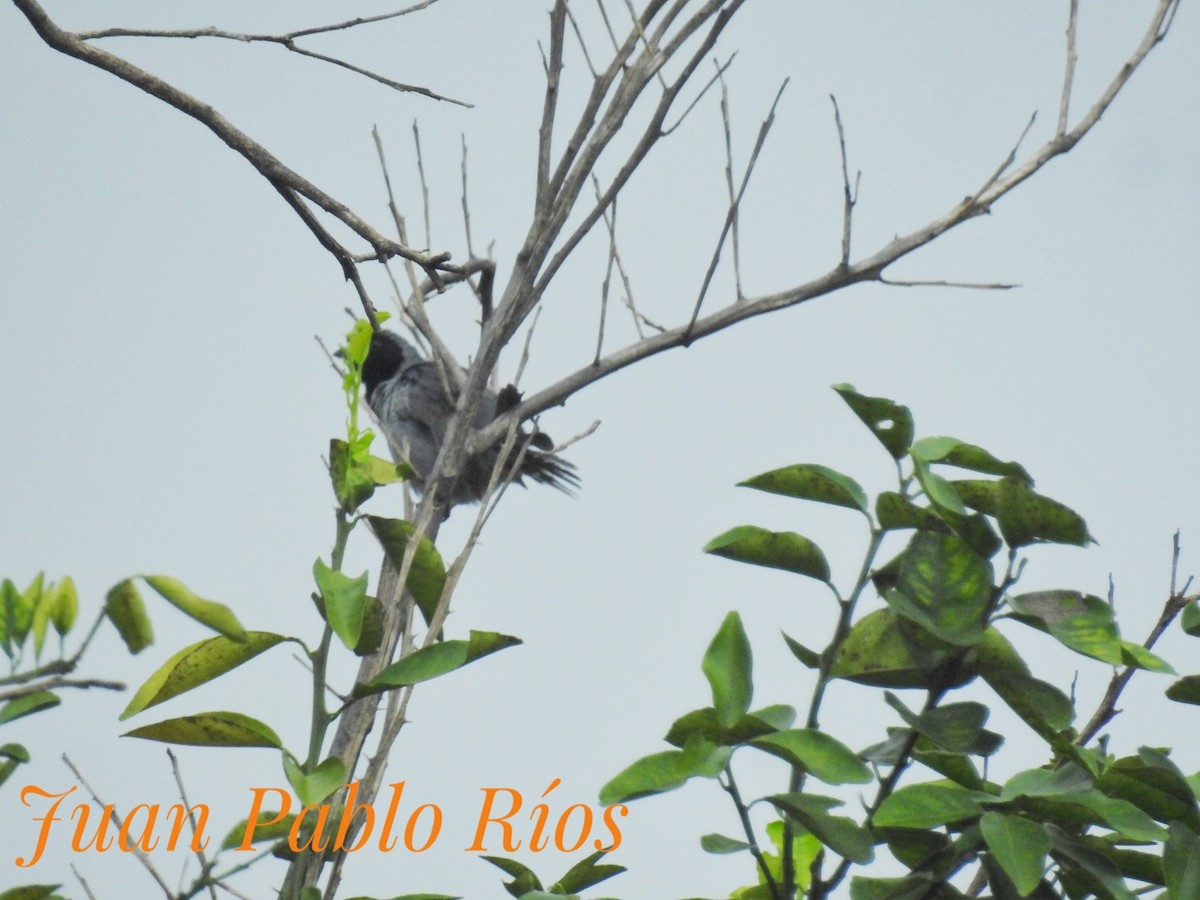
<point x="217" y="616"/>
<point x="953" y="452"/>
<point x="14" y="751"/>
<point x="1138" y="657"/>
<point x="884" y="650"/>
<point x="914" y="887"/>
<point x="1191" y="619"/>
<point x="15" y="616"/>
<point x="666" y="771"/>
<point x="824" y="757"/>
<point x="944" y="587"/>
<point x="276" y="826"/>
<point x="1041" y="705"/>
<point x="1119" y="815"/>
<point x="938" y="490"/>
<point x="585" y="874"/>
<point x="27" y="705"/>
<point x="727" y="666"/>
<point x="890" y="422"/>
<point x="809" y="658"/>
<point x="1181" y="862"/>
<point x="317" y="786"/>
<point x="384" y="471"/>
<point x="840" y="834"/>
<point x="41" y="602"/>
<point x="1079" y="621"/>
<point x="524" y="880"/>
<point x="775" y="549"/>
<point x="1097" y="866"/>
<point x="422" y="897"/>
<point x="31" y="892"/>
<point x="352" y="482"/>
<point x="928" y="805"/>
<point x="1027" y="517"/>
<point x="1069" y="779"/>
<point x="955" y="766"/>
<point x="808" y="481"/>
<point x="436" y="660"/>
<point x="981" y="494"/>
<point x="124" y="607"/>
<point x="1154" y="785"/>
<point x="215" y="729"/>
<point x="427" y="576"/>
<point x="1186" y="690"/>
<point x="345" y="601"/>
<point x="954" y="726"/>
<point x="895" y="511"/>
<point x="805" y="848"/>
<point x="1019" y="845"/>
<point x="65" y="607"/>
<point x="194" y="665"/>
<point x="703" y="724"/>
<point x="719" y="844"/>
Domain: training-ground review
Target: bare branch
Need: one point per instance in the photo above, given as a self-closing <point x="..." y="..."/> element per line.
<point x="82" y="882"/>
<point x="554" y="67"/>
<point x="191" y="816"/>
<point x="287" y="41"/>
<point x="1064" y="107"/>
<point x="136" y="850"/>
<point x="700" y="96"/>
<point x="60" y="681"/>
<point x="290" y="185"/>
<point x="466" y="208"/>
<point x="970" y="285"/>
<point x="416" y="130"/>
<point x="735" y="203"/>
<point x="579" y="37"/>
<point x="1175" y="604"/>
<point x="725" y="127"/>
<point x="610" y="221"/>
<point x="850" y="198"/>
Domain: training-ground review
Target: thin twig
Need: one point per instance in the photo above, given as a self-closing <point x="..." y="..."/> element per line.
<point x="466" y="207"/>
<point x="191" y="815"/>
<point x="1064" y="106"/>
<point x="582" y="43"/>
<point x="610" y="223"/>
<point x="969" y="285"/>
<point x="850" y="198"/>
<point x="137" y="851"/>
<point x="735" y="204"/>
<point x="554" y="67"/>
<point x="721" y="69"/>
<point x="59" y="681"/>
<point x="82" y="882"/>
<point x="725" y="127"/>
<point x="866" y="269"/>
<point x="1107" y="710"/>
<point x="743" y="811"/>
<point x="652" y="52"/>
<point x="287" y="41"/>
<point x="416" y="129"/>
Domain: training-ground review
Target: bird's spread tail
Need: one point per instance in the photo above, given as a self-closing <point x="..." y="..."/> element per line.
<point x="548" y="468"/>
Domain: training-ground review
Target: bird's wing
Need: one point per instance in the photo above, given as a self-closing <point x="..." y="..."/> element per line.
<point x="414" y="410"/>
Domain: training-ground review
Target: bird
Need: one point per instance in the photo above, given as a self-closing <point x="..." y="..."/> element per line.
<point x="413" y="404"/>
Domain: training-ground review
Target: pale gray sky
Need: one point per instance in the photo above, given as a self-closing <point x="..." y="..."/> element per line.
<point x="165" y="407"/>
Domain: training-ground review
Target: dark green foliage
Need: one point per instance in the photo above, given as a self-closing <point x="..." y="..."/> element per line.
<point x="1085" y="824"/>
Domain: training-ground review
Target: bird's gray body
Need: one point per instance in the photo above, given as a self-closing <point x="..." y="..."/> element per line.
<point x="414" y="405"/>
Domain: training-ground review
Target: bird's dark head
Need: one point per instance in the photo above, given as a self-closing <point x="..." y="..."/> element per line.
<point x="388" y="355"/>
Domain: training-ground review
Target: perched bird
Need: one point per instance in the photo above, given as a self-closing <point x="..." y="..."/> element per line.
<point x="406" y="393"/>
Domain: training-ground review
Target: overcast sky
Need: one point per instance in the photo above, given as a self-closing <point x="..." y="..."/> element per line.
<point x="165" y="408"/>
